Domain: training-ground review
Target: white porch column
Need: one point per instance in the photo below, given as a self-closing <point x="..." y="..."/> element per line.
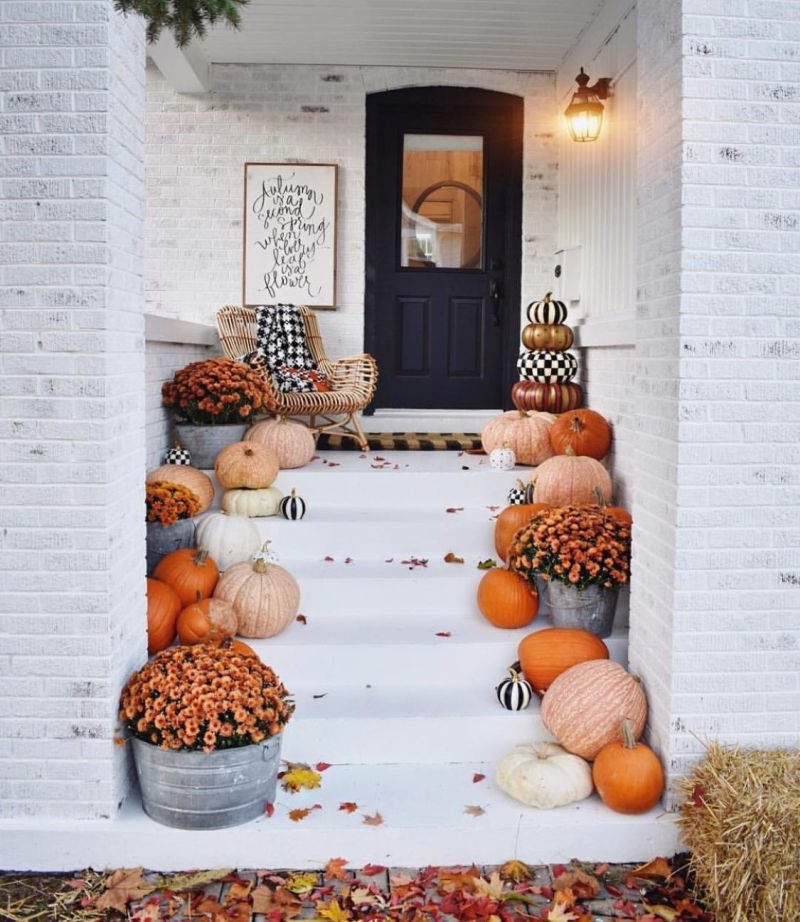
<point x="72" y="623"/>
<point x="715" y="629"/>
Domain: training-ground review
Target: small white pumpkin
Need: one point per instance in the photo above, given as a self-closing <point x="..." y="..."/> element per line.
<point x="544" y="775"/>
<point x="252" y="503"/>
<point x="502" y="459"/>
<point x="229" y="539"/>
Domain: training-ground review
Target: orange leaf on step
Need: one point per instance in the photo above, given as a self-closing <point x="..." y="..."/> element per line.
<point x="579" y="883"/>
<point x="279" y="901"/>
<point x="474" y="810"/>
<point x="296" y="815"/>
<point x="122" y="887"/>
<point x="371" y="870"/>
<point x="238" y="890"/>
<point x="335" y="869"/>
<point x="376" y="820"/>
<point x="450" y="557"/>
<point x="658" y="867"/>
<point x="348" y="806"/>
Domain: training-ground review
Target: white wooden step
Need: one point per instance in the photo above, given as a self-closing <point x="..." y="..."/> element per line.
<point x="424" y="822"/>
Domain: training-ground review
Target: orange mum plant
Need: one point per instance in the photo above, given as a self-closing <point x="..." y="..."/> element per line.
<point x="204" y="697"/>
<point x="168" y="502"/>
<point x="577" y="545"/>
<point x="213" y="392"/>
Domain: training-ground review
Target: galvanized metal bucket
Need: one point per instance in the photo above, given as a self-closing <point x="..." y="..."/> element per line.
<point x="199" y="790"/>
<point x="163" y="539"/>
<point x="590" y="609"/>
<point x="204" y="443"/>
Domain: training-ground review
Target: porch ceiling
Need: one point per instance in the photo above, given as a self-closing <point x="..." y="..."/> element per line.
<point x="503" y="34"/>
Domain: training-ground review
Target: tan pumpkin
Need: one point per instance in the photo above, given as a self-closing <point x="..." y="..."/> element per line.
<point x="584" y="707"/>
<point x="507" y="599"/>
<point x="544" y="655"/>
<point x="509" y="522"/>
<point x="207" y="621"/>
<point x="266" y="597"/>
<point x="198" y="482"/>
<point x="545" y="337"/>
<point x="526" y="434"/>
<point x="292" y="442"/>
<point x="567" y="480"/>
<point x="252" y="503"/>
<point x="246" y="464"/>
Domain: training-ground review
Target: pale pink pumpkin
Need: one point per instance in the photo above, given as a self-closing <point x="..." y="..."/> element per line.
<point x="584" y="706"/>
<point x="571" y="480"/>
<point x="265" y="596"/>
<point x="526" y="434"/>
<point x="292" y="442"/>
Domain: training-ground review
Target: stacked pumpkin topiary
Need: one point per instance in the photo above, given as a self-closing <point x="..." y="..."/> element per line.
<point x="546" y="367"/>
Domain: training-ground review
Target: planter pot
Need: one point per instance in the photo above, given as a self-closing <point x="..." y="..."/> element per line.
<point x="199" y="790"/>
<point x="590" y="609"/>
<point x="204" y="443"/>
<point x="163" y="539"/>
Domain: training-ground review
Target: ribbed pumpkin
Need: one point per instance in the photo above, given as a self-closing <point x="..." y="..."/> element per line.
<point x="292" y="442"/>
<point x="252" y="503"/>
<point x="544" y="655"/>
<point x="583" y="431"/>
<point x="509" y="522"/>
<point x="229" y="539"/>
<point x="246" y="464"/>
<point x="206" y="621"/>
<point x="266" y="597"/>
<point x="239" y="646"/>
<point x="567" y="480"/>
<point x="616" y="512"/>
<point x="163" y="607"/>
<point x="546" y="336"/>
<point x="555" y="398"/>
<point x="198" y="482"/>
<point x="507" y="599"/>
<point x="526" y="434"/>
<point x="584" y="706"/>
<point x="190" y="572"/>
<point x="628" y="775"/>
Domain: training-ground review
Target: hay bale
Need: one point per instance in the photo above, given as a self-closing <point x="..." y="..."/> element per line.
<point x="741" y="822"/>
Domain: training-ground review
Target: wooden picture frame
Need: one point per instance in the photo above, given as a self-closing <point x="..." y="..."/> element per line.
<point x="289" y="234"/>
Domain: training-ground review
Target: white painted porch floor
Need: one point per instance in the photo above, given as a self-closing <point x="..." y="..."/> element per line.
<point x="407" y="717"/>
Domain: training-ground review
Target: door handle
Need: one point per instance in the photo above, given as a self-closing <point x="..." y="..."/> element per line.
<point x="494" y="294"/>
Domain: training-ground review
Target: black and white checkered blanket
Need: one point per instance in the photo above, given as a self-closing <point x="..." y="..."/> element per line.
<point x="281" y="346"/>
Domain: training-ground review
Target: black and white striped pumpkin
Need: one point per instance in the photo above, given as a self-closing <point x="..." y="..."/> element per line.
<point x="547" y="367"/>
<point x="547" y="311"/>
<point x="178" y="455"/>
<point x="515" y="692"/>
<point x="292" y="507"/>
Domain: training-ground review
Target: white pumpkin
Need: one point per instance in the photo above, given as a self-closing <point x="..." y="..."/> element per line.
<point x="544" y="775"/>
<point x="252" y="503"/>
<point x="229" y="539"/>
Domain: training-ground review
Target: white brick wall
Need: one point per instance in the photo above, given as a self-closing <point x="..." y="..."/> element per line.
<point x="71" y="436"/>
<point x="196" y="147"/>
<point x="715" y="599"/>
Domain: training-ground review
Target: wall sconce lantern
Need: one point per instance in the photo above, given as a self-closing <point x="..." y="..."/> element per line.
<point x="585" y="113"/>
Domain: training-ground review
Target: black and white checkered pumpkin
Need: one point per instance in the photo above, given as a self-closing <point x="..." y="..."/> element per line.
<point x="292" y="507"/>
<point x="547" y="367"/>
<point x="514" y="693"/>
<point x="547" y="311"/>
<point x="178" y="455"/>
<point x="520" y="494"/>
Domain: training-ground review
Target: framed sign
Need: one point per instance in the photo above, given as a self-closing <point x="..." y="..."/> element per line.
<point x="290" y="234"/>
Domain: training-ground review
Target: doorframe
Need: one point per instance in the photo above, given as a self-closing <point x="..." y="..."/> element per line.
<point x="436" y="96"/>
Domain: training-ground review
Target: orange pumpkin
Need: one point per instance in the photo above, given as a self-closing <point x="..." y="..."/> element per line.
<point x="616" y="512"/>
<point x="206" y="621"/>
<point x="526" y="434"/>
<point x="584" y="431"/>
<point x="509" y="522"/>
<point x="198" y="482"/>
<point x="163" y="606"/>
<point x="190" y="572"/>
<point x="246" y="465"/>
<point x="507" y="599"/>
<point x="584" y="706"/>
<point x="544" y="655"/>
<point x="566" y="480"/>
<point x="239" y="646"/>
<point x="628" y="775"/>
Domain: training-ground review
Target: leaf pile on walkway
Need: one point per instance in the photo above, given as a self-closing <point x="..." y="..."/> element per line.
<point x="577" y="892"/>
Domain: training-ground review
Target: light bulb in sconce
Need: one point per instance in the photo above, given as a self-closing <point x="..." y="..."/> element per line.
<point x="585" y="113"/>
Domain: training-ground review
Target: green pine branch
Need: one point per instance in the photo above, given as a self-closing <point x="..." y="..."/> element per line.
<point x="186" y="19"/>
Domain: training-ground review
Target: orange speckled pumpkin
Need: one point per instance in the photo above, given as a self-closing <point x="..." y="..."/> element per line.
<point x="163" y="606"/>
<point x="509" y="522"/>
<point x="190" y="572"/>
<point x="570" y="480"/>
<point x="206" y="621"/>
<point x="247" y="465"/>
<point x="526" y="434"/>
<point x="507" y="599"/>
<point x="198" y="482"/>
<point x="544" y="655"/>
<point x="628" y="775"/>
<point x="584" y="431"/>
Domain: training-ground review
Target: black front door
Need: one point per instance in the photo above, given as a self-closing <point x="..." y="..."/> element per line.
<point x="443" y="242"/>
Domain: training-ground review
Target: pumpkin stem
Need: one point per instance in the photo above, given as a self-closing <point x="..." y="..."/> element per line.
<point x="569" y="451"/>
<point x="200" y="558"/>
<point x="628" y="740"/>
<point x="576" y="424"/>
<point x="546" y="298"/>
<point x="293" y="493"/>
<point x="177" y="446"/>
<point x="601" y="500"/>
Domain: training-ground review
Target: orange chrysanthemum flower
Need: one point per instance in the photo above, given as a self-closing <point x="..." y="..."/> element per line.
<point x="214" y="391"/>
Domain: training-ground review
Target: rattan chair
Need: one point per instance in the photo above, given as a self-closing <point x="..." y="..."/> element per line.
<point x="353" y="380"/>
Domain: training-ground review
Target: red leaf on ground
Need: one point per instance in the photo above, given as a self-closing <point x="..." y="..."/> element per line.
<point x="370" y="870"/>
<point x="302" y="619"/>
<point x="296" y="815"/>
<point x="328" y="559"/>
<point x="322" y="766"/>
<point x="270" y="810"/>
<point x="697" y="795"/>
<point x="443" y="633"/>
<point x="474" y="810"/>
<point x="477" y="777"/>
<point x="348" y="806"/>
<point x="455" y="509"/>
<point x="601" y="868"/>
<point x="348" y="560"/>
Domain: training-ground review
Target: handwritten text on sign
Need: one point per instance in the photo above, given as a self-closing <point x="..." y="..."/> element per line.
<point x="290" y="238"/>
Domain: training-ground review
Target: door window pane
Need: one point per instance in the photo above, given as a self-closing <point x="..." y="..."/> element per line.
<point x="442" y="204"/>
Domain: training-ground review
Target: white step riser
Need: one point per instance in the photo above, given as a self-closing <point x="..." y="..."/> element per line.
<point x="388" y="598"/>
<point x="410" y="740"/>
<point x="441" y="663"/>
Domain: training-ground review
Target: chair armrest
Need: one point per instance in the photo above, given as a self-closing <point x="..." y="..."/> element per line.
<point x="359" y="371"/>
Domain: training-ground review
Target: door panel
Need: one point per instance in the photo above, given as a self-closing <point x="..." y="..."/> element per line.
<point x="444" y="180"/>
